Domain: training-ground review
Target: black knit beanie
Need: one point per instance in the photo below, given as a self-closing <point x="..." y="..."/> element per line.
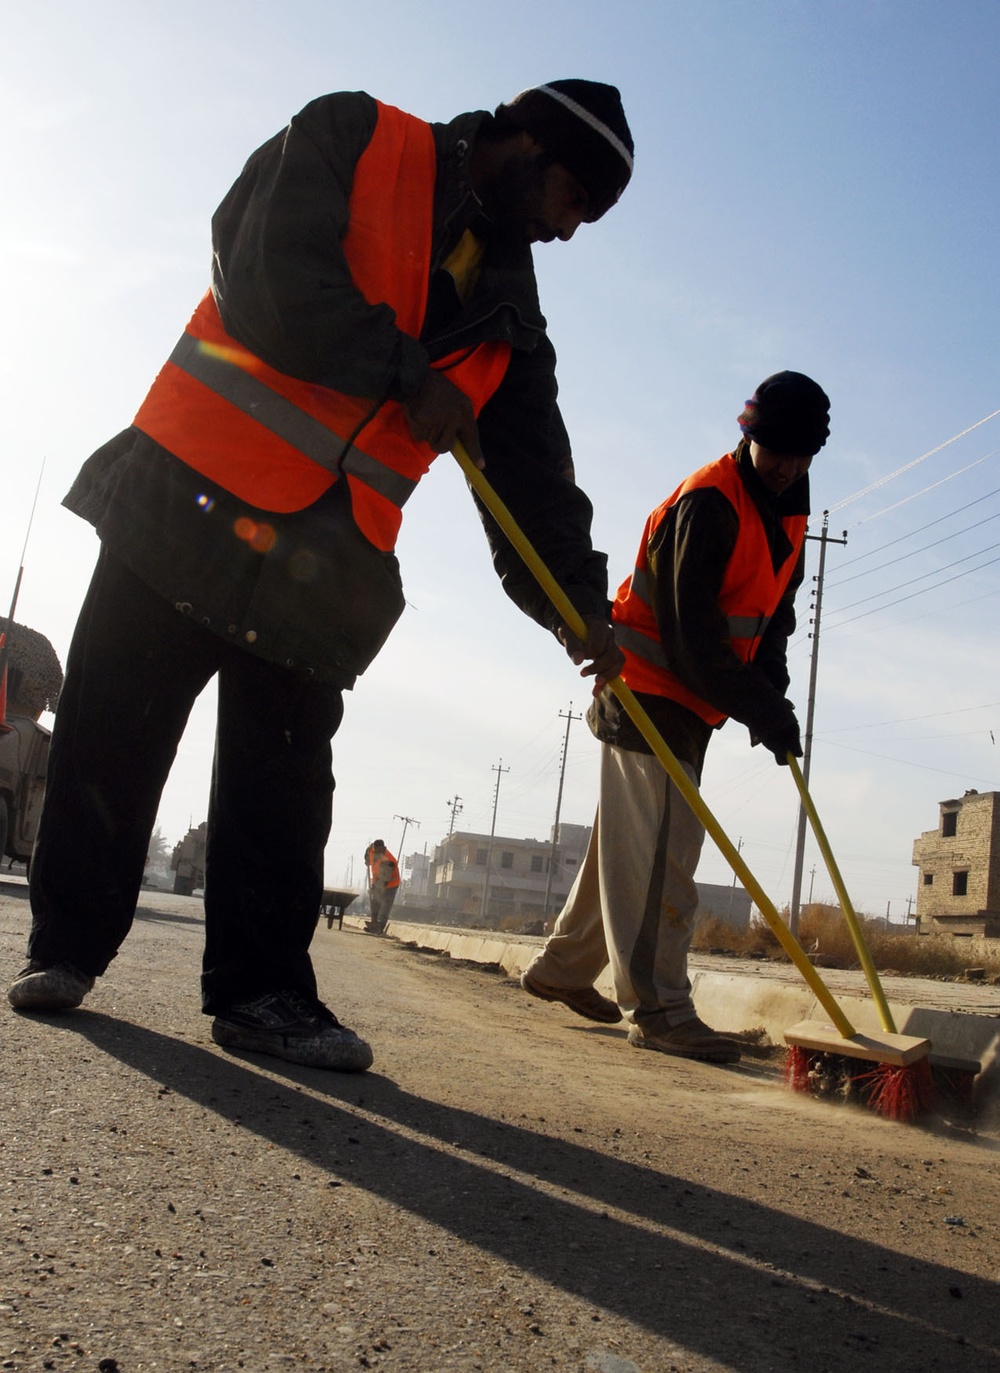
<point x="580" y="124"/>
<point x="789" y="414"/>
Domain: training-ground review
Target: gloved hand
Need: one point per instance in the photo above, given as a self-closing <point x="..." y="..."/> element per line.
<point x="783" y="740"/>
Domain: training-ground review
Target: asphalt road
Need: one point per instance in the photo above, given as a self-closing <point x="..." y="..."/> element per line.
<point x="509" y="1188"/>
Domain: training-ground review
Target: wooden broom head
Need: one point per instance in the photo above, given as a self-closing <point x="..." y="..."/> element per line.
<point x="878" y="1047"/>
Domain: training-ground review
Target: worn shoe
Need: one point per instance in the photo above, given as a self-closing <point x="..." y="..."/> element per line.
<point x="691" y="1039"/>
<point x="58" y="988"/>
<point x="294" y="1027"/>
<point x="586" y="1001"/>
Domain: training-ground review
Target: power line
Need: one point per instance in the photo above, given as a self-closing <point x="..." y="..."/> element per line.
<point x="899" y="601"/>
<point x="924" y="548"/>
<point x="921" y="577"/>
<point x="908" y="763"/>
<point x="907" y="467"/>
<point x="915" y="495"/>
<point x="913" y="719"/>
<point x="923" y="615"/>
<point x="880" y="547"/>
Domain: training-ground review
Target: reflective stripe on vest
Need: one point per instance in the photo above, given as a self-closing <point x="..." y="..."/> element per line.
<point x="291" y="424"/>
<point x="278" y="442"/>
<point x="751" y="591"/>
<point x="740" y="626"/>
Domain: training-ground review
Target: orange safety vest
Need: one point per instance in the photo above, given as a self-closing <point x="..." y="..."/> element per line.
<point x="375" y="866"/>
<point x="751" y="590"/>
<point x="278" y="442"/>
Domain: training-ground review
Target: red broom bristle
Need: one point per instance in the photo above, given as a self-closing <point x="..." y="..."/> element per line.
<point x="797" y="1064"/>
<point x="900" y="1092"/>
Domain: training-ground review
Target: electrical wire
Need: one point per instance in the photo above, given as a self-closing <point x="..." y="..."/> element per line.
<point x="915" y="719"/>
<point x="876" y="610"/>
<point x="911" y="619"/>
<point x="907" y="467"/>
<point x="924" y="548"/>
<point x="923" y="576"/>
<point x="908" y="763"/>
<point x="915" y="495"/>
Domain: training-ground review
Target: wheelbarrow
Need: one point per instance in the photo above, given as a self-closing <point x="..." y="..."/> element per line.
<point x="333" y="905"/>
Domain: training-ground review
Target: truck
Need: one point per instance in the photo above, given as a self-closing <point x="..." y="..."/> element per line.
<point x="188" y="860"/>
<point x="24" y="756"/>
<point x="31" y="679"/>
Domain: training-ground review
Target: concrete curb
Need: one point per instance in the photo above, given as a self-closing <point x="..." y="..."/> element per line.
<point x="961" y="1021"/>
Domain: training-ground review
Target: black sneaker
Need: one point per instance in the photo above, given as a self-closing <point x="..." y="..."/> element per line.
<point x="60" y="987"/>
<point x="294" y="1027"/>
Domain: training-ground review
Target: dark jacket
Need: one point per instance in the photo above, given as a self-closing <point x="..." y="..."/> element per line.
<point x="322" y="600"/>
<point x="687" y="560"/>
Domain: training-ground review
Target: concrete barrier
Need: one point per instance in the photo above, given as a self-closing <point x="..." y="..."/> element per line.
<point x="962" y="1020"/>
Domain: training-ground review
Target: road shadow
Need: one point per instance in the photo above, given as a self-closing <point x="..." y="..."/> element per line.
<point x="716" y="1273"/>
<point x="147" y="912"/>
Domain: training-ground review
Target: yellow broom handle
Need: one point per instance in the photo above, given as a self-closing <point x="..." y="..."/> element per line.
<point x="575" y="623"/>
<point x="853" y="924"/>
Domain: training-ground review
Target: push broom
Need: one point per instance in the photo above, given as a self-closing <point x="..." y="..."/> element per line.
<point x="883" y="1049"/>
<point x="917" y="1080"/>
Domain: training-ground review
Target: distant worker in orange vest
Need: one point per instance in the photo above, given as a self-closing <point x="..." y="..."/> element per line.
<point x="704" y="621"/>
<point x="383" y="883"/>
<point x="372" y="301"/>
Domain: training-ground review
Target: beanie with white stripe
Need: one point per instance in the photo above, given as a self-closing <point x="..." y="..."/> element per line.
<point x="582" y="125"/>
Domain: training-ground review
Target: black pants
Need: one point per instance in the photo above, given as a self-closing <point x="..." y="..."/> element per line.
<point x="135" y="668"/>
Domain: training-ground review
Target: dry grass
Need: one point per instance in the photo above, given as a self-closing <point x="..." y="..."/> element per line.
<point x="824" y="935"/>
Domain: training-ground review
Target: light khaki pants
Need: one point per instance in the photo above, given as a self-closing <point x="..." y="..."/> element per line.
<point x="634" y="900"/>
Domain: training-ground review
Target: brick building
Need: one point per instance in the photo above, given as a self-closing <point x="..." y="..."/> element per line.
<point x="958" y="891"/>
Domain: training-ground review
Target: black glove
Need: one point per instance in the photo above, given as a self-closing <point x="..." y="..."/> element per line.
<point x="783" y="740"/>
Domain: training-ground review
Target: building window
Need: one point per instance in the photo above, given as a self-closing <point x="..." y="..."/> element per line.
<point x="960" y="884"/>
<point x="506" y="860"/>
<point x="928" y="879"/>
<point x="480" y="858"/>
<point x="536" y="862"/>
<point x="949" y="824"/>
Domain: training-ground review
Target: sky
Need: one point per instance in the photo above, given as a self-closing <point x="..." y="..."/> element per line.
<point x="816" y="187"/>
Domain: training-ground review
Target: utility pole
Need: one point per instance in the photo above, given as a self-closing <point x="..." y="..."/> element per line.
<point x="732" y="889"/>
<point x="456" y="807"/>
<point x="7" y="629"/>
<point x="823" y="538"/>
<point x="498" y="768"/>
<point x="812" y="879"/>
<point x="407" y="820"/>
<point x="569" y="717"/>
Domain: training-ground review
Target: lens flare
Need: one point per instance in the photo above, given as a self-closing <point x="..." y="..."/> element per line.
<point x="260" y="536"/>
